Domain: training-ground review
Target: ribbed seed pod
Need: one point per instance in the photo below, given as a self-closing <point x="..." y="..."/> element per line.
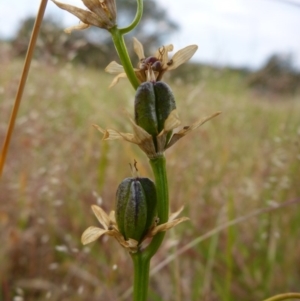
<point x="154" y="101"/>
<point x="165" y="103"/>
<point x="135" y="207"/>
<point x="145" y="108"/>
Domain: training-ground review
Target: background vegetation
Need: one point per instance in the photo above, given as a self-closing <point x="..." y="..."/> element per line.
<point x="246" y="159"/>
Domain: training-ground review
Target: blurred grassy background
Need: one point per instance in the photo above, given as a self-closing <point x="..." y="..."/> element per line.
<point x="247" y="158"/>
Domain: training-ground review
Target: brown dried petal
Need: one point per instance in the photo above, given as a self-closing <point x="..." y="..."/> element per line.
<point x="138" y="48"/>
<point x="168" y="225"/>
<point x="91" y="234"/>
<point x="111" y="5"/>
<point x="163" y="54"/>
<point x="95" y="7"/>
<point x="102" y="216"/>
<point x="175" y="214"/>
<point x="182" y="56"/>
<point x="172" y="122"/>
<point x="80" y="26"/>
<point x="86" y="17"/>
<point x="114" y="68"/>
<point x="190" y="128"/>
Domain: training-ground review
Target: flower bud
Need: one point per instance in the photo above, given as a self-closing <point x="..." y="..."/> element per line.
<point x="135" y="207"/>
<point x="154" y="101"/>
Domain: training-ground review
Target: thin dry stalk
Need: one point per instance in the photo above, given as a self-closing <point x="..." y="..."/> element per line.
<point x="28" y="58"/>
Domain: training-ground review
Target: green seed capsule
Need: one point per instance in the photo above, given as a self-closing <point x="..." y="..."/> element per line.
<point x="154" y="101"/>
<point x="145" y="108"/>
<point x="135" y="207"/>
<point x="165" y="103"/>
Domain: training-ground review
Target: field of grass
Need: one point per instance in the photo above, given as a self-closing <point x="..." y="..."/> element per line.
<point x="245" y="160"/>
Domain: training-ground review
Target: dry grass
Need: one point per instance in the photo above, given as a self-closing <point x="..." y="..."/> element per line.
<point x="57" y="166"/>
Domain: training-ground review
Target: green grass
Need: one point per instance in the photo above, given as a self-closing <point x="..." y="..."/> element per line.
<point x="246" y="159"/>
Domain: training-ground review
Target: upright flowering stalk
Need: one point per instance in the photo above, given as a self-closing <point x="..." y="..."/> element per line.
<point x="141" y="214"/>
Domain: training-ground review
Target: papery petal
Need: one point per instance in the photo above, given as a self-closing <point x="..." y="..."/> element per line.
<point x="114" y="68"/>
<point x="141" y="75"/>
<point x="111" y="134"/>
<point x="85" y="16"/>
<point x="91" y="234"/>
<point x="182" y="56"/>
<point x="138" y="48"/>
<point x="162" y="54"/>
<point x="168" y="225"/>
<point x="111" y="5"/>
<point x="161" y="141"/>
<point x="95" y="7"/>
<point x="139" y="133"/>
<point x="102" y="216"/>
<point x="175" y="214"/>
<point x="131" y="245"/>
<point x="116" y="79"/>
<point x="112" y="216"/>
<point x="143" y="139"/>
<point x="190" y="128"/>
<point x="172" y="122"/>
<point x="80" y="26"/>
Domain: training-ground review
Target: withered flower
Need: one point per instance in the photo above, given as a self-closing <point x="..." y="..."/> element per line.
<point x="100" y="13"/>
<point x="110" y="228"/>
<point x="145" y="141"/>
<point x="153" y="67"/>
<point x="172" y="222"/>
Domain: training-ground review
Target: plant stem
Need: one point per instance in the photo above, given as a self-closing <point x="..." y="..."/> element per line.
<point x="160" y="174"/>
<point x="118" y="40"/>
<point x="137" y="18"/>
<point x="141" y="276"/>
<point x="26" y="67"/>
<point x="141" y="259"/>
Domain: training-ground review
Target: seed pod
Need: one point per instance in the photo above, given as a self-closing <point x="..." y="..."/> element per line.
<point x="165" y="103"/>
<point x="154" y="101"/>
<point x="135" y="207"/>
<point x="145" y="108"/>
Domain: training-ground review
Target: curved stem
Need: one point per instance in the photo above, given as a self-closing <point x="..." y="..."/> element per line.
<point x="137" y="18"/>
<point x="160" y="174"/>
<point x="284" y="297"/>
<point x="141" y="276"/>
<point x="118" y="40"/>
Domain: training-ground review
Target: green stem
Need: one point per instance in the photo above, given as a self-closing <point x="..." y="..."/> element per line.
<point x="141" y="276"/>
<point x="137" y="18"/>
<point x="160" y="174"/>
<point x="141" y="259"/>
<point x="118" y="40"/>
<point x="285" y="296"/>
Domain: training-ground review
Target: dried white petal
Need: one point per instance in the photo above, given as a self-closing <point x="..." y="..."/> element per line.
<point x="175" y="214"/>
<point x="182" y="56"/>
<point x="114" y="68"/>
<point x="172" y="121"/>
<point x="102" y="216"/>
<point x="91" y="234"/>
<point x="162" y="54"/>
<point x="168" y="225"/>
<point x="80" y="26"/>
<point x="138" y="48"/>
<point x="190" y="128"/>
